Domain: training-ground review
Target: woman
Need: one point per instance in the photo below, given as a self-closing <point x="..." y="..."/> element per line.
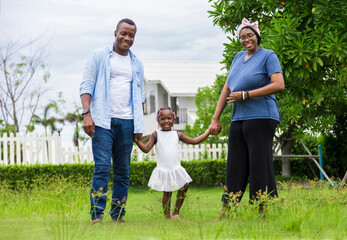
<point x="254" y="77"/>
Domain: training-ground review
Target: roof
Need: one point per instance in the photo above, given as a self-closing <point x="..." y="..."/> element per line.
<point x="182" y="78"/>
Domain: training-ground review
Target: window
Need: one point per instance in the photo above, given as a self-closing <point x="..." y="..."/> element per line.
<point x="165" y="100"/>
<point x="145" y="106"/>
<point x="152" y="102"/>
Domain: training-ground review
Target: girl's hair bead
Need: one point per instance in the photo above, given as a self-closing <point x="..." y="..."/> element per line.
<point x="165" y="108"/>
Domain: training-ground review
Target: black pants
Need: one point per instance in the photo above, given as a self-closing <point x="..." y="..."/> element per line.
<point x="250" y="156"/>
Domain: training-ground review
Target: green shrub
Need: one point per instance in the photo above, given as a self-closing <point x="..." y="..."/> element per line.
<point x="17" y="176"/>
<point x="335" y="155"/>
<point x="140" y="173"/>
<point x="203" y="172"/>
<point x="335" y="145"/>
<point x="206" y="172"/>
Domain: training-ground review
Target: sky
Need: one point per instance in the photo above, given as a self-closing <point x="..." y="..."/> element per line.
<point x="178" y="30"/>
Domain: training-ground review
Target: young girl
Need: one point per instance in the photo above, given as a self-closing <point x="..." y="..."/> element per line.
<point x="169" y="175"/>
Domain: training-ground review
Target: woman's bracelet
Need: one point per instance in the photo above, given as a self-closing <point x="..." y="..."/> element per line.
<point x="244" y="95"/>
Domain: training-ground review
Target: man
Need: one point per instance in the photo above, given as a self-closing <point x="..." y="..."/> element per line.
<point x="112" y="97"/>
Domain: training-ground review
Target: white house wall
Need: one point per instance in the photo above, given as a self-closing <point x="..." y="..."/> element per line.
<point x="181" y="81"/>
<point x="162" y="97"/>
<point x="150" y="118"/>
<point x="184" y="102"/>
<point x="189" y="104"/>
<point x="151" y="123"/>
<point x="149" y="87"/>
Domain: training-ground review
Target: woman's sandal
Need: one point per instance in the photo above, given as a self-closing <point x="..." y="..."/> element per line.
<point x="174" y="216"/>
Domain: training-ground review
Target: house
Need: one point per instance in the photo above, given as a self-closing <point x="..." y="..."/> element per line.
<point x="175" y="84"/>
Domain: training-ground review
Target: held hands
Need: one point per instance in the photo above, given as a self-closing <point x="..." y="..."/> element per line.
<point x="215" y="127"/>
<point x="88" y="125"/>
<point x="137" y="137"/>
<point x="208" y="132"/>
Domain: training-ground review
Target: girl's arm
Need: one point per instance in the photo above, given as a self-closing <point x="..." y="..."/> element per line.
<point x="146" y="148"/>
<point x="196" y="140"/>
<point x="215" y="126"/>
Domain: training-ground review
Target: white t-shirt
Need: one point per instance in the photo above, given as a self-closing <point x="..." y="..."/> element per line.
<point x="120" y="86"/>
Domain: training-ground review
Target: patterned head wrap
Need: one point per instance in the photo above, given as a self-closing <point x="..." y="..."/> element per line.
<point x="246" y="23"/>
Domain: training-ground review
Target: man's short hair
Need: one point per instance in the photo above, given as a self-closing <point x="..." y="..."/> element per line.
<point x="126" y="20"/>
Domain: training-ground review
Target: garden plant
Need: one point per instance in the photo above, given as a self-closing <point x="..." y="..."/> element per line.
<point x="57" y="208"/>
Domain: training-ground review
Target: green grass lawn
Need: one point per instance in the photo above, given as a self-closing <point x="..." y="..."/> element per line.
<point x="60" y="210"/>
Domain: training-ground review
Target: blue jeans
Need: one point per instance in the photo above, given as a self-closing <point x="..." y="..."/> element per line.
<point x="117" y="144"/>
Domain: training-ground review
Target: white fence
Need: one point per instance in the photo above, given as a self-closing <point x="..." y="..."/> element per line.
<point x="41" y="149"/>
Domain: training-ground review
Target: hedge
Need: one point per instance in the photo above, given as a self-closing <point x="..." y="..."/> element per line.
<point x="203" y="172"/>
<point x="17" y="176"/>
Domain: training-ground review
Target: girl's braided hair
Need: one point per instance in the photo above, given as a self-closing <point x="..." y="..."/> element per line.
<point x="165" y="108"/>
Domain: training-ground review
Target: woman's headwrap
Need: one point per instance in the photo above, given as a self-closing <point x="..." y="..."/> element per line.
<point x="246" y="23"/>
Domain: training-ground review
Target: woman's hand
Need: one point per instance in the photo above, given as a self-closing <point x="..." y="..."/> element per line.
<point x="234" y="96"/>
<point x="215" y="127"/>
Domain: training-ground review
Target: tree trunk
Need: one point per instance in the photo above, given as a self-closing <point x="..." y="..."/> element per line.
<point x="15" y="119"/>
<point x="288" y="143"/>
<point x="76" y="136"/>
<point x="286" y="150"/>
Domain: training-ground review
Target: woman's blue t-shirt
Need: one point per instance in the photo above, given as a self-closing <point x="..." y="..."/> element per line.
<point x="252" y="74"/>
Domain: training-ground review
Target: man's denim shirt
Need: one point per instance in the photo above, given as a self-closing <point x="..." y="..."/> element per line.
<point x="95" y="82"/>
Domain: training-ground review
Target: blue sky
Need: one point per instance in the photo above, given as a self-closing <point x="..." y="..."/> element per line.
<point x="167" y="30"/>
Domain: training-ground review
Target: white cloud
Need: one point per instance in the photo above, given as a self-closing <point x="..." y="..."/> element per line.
<point x="167" y="30"/>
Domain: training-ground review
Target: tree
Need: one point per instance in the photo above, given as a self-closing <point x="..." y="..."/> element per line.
<point x="76" y="118"/>
<point x="206" y="101"/>
<point x="5" y="129"/>
<point x="335" y="145"/>
<point x="47" y="120"/>
<point x="22" y="72"/>
<point x="310" y="40"/>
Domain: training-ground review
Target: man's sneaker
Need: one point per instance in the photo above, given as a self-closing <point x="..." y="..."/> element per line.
<point x="96" y="221"/>
<point x="118" y="220"/>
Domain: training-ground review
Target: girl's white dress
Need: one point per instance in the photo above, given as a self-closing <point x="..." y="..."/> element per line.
<point x="168" y="175"/>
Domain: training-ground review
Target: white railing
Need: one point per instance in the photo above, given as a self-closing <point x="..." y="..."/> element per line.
<point x="188" y="152"/>
<point x="181" y="116"/>
<point x="41" y="149"/>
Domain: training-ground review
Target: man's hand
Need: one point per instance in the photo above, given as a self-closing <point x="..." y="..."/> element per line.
<point x="215" y="127"/>
<point x="137" y="136"/>
<point x="88" y="125"/>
